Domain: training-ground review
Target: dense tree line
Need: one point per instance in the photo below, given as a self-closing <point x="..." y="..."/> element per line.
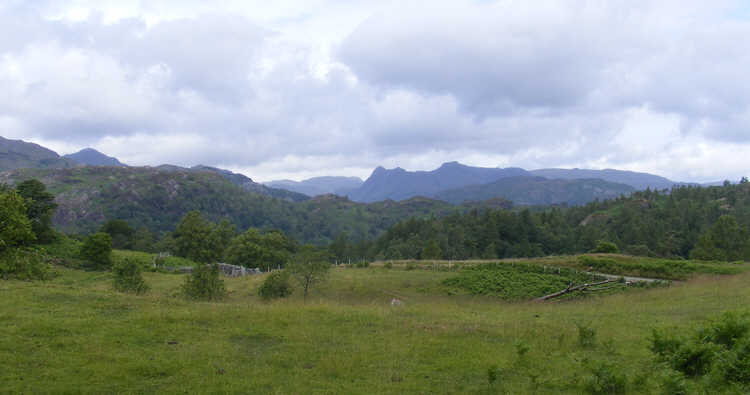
<point x="688" y="221"/>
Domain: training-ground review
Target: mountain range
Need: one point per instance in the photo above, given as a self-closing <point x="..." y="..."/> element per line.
<point x="452" y="182"/>
<point x="315" y="186"/>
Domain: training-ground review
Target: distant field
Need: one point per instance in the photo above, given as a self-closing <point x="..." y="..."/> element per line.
<point x="74" y="334"/>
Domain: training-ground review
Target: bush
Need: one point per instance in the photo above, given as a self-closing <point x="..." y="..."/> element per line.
<point x="128" y="277"/>
<point x="638" y="250"/>
<point x="586" y="336"/>
<point x="204" y="283"/>
<point x="411" y="266"/>
<point x="729" y="329"/>
<point x="733" y="366"/>
<point x="276" y="285"/>
<point x="97" y="249"/>
<point x="388" y="265"/>
<point x="606" y="247"/>
<point x="673" y="383"/>
<point x="23" y="264"/>
<point x="605" y="379"/>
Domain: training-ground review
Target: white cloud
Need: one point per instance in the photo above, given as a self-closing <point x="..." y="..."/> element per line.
<point x="290" y="89"/>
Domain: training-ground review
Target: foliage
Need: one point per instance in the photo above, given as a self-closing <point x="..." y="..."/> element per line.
<point x="516" y="281"/>
<point x="16" y="228"/>
<point x="204" y="283"/>
<point x="711" y="221"/>
<point x="128" y="278"/>
<point x="156" y="199"/>
<point x="276" y="285"/>
<point x="265" y="251"/>
<point x="40" y="208"/>
<point x="97" y="249"/>
<point x="725" y="241"/>
<point x="123" y="236"/>
<point x="193" y="239"/>
<point x="23" y="264"/>
<point x="605" y="378"/>
<point x="586" y="335"/>
<point x="722" y="348"/>
<point x="309" y="266"/>
<point x="606" y="247"/>
<point x="652" y="268"/>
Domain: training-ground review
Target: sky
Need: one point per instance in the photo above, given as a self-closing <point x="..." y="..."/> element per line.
<point x="296" y="89"/>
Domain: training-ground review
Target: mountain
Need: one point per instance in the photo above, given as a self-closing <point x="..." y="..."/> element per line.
<point x="398" y="184"/>
<point x="155" y="198"/>
<point x="240" y="180"/>
<point x="639" y="181"/>
<point x="319" y="185"/>
<point x="249" y="185"/>
<point x="529" y="190"/>
<point x="92" y="157"/>
<point x="17" y="154"/>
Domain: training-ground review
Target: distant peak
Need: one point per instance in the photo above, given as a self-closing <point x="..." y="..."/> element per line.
<point x="451" y="164"/>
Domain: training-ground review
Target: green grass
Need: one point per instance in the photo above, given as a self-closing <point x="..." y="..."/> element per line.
<point x="75" y="334"/>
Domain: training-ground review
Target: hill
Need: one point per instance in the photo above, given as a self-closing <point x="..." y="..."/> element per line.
<point x="319" y="185"/>
<point x="531" y="191"/>
<point x="398" y="184"/>
<point x="156" y="199"/>
<point x="249" y="185"/>
<point x="639" y="181"/>
<point x="92" y="157"/>
<point x="17" y="154"/>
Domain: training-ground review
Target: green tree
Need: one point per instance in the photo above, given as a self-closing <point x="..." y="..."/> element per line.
<point x="123" y="236"/>
<point x="193" y="238"/>
<point x="15" y="233"/>
<point x="221" y="236"/>
<point x="266" y="251"/>
<point x="40" y="208"/>
<point x="15" y="226"/>
<point x="128" y="278"/>
<point x="246" y="250"/>
<point x="309" y="266"/>
<point x="204" y="283"/>
<point x="276" y="285"/>
<point x="725" y="241"/>
<point x="431" y="250"/>
<point x="97" y="249"/>
<point x="606" y="247"/>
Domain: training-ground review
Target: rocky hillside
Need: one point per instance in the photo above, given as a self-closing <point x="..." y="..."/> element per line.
<point x="17" y="154"/>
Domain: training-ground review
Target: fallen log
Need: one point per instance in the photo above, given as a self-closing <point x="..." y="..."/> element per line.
<point x="571" y="288"/>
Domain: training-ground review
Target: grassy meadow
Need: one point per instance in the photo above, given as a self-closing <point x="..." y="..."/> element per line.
<point x="74" y="334"/>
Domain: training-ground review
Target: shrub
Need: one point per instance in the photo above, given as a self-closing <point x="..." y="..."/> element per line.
<point x="97" y="249"/>
<point x="673" y="383"/>
<point x="605" y="379"/>
<point x="23" y="264"/>
<point x="204" y="283"/>
<point x="128" y="278"/>
<point x="692" y="358"/>
<point x="276" y="285"/>
<point x="411" y="266"/>
<point x="586" y="336"/>
<point x="388" y="265"/>
<point x="606" y="247"/>
<point x="729" y="329"/>
<point x="638" y="250"/>
<point x="733" y="366"/>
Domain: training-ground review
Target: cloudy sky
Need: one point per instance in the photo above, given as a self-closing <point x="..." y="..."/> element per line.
<point x="294" y="89"/>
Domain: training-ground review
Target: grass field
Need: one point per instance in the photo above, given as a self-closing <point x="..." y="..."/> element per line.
<point x="74" y="334"/>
